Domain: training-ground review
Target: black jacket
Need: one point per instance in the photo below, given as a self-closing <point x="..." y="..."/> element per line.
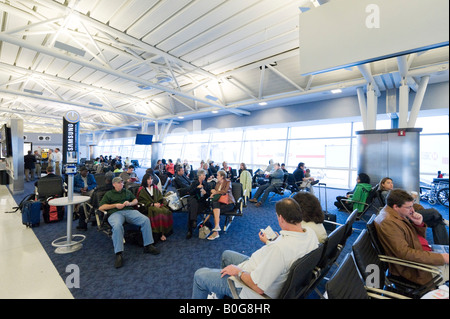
<point x="195" y="192"/>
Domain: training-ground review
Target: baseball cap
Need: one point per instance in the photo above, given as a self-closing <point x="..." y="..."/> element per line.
<point x="117" y="180"/>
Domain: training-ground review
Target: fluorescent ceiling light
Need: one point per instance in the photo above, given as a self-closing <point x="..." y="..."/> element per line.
<point x="262" y="103"/>
<point x="181" y="117"/>
<point x="336" y="91"/>
<point x="69" y="48"/>
<point x="215" y="112"/>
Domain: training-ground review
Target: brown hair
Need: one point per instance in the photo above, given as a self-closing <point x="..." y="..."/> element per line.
<point x="311" y="208"/>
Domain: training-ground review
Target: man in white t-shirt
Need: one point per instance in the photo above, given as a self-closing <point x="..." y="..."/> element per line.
<point x="57" y="157"/>
<point x="266" y="270"/>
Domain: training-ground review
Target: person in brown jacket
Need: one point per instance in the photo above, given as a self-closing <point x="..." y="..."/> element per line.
<point x="402" y="233"/>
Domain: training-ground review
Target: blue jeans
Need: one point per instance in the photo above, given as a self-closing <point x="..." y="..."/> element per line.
<point x="264" y="190"/>
<point x="134" y="217"/>
<point x="207" y="280"/>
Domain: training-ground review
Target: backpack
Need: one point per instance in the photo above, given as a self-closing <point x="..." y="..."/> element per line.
<point x="52" y="214"/>
<point x="27" y="198"/>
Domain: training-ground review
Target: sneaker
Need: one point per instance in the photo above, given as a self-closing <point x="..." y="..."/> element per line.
<point x="314" y="183"/>
<point x="214" y="236"/>
<point x="151" y="249"/>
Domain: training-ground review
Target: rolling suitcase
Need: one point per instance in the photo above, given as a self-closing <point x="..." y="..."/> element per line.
<point x="31" y="213"/>
<point x="330" y="219"/>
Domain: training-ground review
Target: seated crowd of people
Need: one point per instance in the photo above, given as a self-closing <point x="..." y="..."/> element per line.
<point x="401" y="224"/>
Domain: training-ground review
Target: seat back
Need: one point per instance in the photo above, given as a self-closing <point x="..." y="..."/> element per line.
<point x="100" y="179"/>
<point x="346" y="282"/>
<point x="50" y="187"/>
<point x="97" y="196"/>
<point x="333" y="247"/>
<point x="373" y="235"/>
<point x="349" y="225"/>
<point x="238" y="193"/>
<point x="301" y="275"/>
<point x="365" y="255"/>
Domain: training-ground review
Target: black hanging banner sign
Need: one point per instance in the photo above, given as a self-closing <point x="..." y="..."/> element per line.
<point x="71" y="122"/>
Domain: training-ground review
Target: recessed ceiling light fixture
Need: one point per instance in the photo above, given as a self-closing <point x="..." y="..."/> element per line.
<point x="262" y="103"/>
<point x="144" y="87"/>
<point x="215" y="112"/>
<point x="336" y="91"/>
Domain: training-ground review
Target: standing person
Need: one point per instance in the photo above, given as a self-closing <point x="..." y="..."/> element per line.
<point x="160" y="216"/>
<point x="30" y="166"/>
<point x="119" y="203"/>
<point x="223" y="188"/>
<point x="58" y="161"/>
<point x="401" y="232"/>
<point x="51" y="159"/>
<point x="266" y="270"/>
<point x="38" y="166"/>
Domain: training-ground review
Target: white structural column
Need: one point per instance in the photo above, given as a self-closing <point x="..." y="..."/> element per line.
<point x="403" y="104"/>
<point x="362" y="106"/>
<point x="368" y="109"/>
<point x="418" y="101"/>
<point x="372" y="103"/>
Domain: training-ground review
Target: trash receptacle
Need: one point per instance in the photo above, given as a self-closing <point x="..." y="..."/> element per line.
<point x="4" y="178"/>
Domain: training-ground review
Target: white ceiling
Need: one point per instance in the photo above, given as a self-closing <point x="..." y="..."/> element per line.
<point x="125" y="63"/>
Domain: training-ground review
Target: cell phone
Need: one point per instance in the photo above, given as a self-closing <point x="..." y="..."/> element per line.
<point x="270" y="234"/>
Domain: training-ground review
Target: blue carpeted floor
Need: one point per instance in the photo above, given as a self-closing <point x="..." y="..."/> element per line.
<point x="168" y="275"/>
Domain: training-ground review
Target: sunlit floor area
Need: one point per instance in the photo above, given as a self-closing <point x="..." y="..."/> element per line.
<point x="25" y="268"/>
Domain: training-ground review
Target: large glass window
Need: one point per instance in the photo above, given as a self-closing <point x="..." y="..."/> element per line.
<point x="330" y="151"/>
<point x="257" y="154"/>
<point x="329" y="130"/>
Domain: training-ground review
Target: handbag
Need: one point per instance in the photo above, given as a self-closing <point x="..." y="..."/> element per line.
<point x="223" y="199"/>
<point x="203" y="232"/>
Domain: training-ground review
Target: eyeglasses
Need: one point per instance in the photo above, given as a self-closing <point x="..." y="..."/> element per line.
<point x="407" y="207"/>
